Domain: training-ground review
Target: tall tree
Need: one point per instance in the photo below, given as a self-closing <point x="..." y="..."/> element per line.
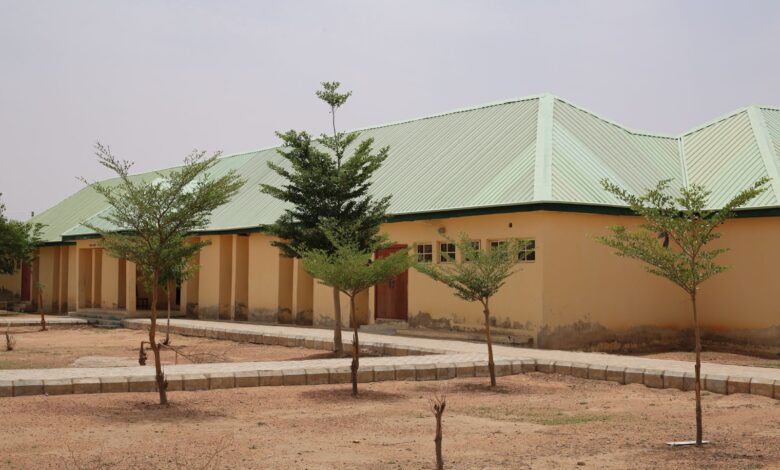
<point x="150" y="221"/>
<point x="686" y="221"/>
<point x="477" y="276"/>
<point x="320" y="184"/>
<point x="19" y="244"/>
<point x="352" y="269"/>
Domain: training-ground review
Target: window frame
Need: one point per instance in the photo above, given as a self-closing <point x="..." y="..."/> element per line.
<point x="418" y="254"/>
<point x="526" y="252"/>
<point x="441" y="259"/>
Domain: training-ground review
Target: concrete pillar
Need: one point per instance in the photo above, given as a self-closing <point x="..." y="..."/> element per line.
<point x="269" y="282"/>
<point x="189" y="289"/>
<point x="109" y="273"/>
<point x="209" y="283"/>
<point x="73" y="278"/>
<point x="63" y="288"/>
<point x="239" y="288"/>
<point x="97" y="277"/>
<point x="303" y="294"/>
<point x="130" y="286"/>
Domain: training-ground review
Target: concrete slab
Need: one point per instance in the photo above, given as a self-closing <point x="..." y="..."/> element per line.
<point x="716" y="383"/>
<point x="25" y="387"/>
<point x="294" y="377"/>
<point x="738" y="385"/>
<point x="654" y="378"/>
<point x="270" y="378"/>
<point x="340" y="375"/>
<point x="317" y="376"/>
<point x="195" y="382"/>
<point x="86" y="385"/>
<point x="425" y="371"/>
<point x="383" y="373"/>
<point x="247" y="378"/>
<point x="58" y="386"/>
<point x="143" y="383"/>
<point x="219" y="380"/>
<point x="113" y="385"/>
<point x="763" y="387"/>
<point x="616" y="374"/>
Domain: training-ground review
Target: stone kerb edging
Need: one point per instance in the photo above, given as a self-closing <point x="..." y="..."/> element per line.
<point x="419" y="364"/>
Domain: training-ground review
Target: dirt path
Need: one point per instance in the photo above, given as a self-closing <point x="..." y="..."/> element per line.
<point x="87" y="346"/>
<point x="530" y="421"/>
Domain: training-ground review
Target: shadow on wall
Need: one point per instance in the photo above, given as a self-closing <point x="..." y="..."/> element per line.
<point x="588" y="336"/>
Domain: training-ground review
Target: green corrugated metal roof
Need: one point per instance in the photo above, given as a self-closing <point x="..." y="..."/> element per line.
<point x="530" y="150"/>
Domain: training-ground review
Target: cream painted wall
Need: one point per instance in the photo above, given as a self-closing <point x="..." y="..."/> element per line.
<point x="12" y="282"/>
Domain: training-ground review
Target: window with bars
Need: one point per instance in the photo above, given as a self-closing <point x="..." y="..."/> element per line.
<point x="446" y="252"/>
<point x="425" y="253"/>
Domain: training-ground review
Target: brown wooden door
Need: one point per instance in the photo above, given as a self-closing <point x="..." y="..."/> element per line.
<point x="391" y="300"/>
<point x="26" y="281"/>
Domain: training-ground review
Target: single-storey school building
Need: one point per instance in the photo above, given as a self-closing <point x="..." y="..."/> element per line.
<point x="526" y="168"/>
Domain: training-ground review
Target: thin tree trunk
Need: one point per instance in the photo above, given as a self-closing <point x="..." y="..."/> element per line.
<point x="338" y="345"/>
<point x="40" y="309"/>
<point x="168" y="325"/>
<point x="355" y="346"/>
<point x="161" y="385"/>
<point x="697" y="334"/>
<point x="491" y="364"/>
<point x="437" y="440"/>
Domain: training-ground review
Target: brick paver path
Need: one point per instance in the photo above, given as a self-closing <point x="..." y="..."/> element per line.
<point x="35" y="320"/>
<point x="404" y="358"/>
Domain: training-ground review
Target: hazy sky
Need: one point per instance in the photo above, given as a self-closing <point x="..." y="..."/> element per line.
<point x="156" y="79"/>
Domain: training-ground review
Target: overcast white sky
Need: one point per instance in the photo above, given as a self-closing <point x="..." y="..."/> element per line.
<point x="156" y="79"/>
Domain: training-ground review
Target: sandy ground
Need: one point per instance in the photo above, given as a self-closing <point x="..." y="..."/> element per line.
<point x="86" y="346"/>
<point x="530" y="421"/>
<point x="719" y="358"/>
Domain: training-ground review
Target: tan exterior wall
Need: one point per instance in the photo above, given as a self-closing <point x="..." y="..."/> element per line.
<point x="12" y="282"/>
<point x="576" y="294"/>
<point x="518" y="306"/>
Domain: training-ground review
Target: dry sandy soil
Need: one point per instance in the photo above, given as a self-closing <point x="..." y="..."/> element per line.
<point x="85" y="346"/>
<point x="719" y="358"/>
<point x="529" y="421"/>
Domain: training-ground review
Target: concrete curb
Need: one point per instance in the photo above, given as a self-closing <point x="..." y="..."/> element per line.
<point x="444" y="368"/>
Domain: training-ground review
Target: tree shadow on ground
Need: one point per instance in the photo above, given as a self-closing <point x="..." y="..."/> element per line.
<point x="141" y="411"/>
<point x="331" y="395"/>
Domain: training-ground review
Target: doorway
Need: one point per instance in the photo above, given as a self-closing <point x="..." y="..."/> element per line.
<point x="391" y="300"/>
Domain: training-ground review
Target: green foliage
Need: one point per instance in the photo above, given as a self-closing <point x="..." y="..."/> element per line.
<point x="349" y="267"/>
<point x="320" y="186"/>
<point x="18" y="242"/>
<point x="479" y="274"/>
<point x="684" y="220"/>
<point x="150" y="221"/>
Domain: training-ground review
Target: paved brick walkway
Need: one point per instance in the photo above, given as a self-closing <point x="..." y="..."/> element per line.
<point x="403" y="358"/>
<point x="35" y="320"/>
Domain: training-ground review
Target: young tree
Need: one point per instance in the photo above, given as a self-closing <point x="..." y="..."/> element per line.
<point x="150" y="221"/>
<point x="320" y="185"/>
<point x="477" y="277"/>
<point x="19" y="243"/>
<point x="438" y="403"/>
<point x="351" y="269"/>
<point x="689" y="224"/>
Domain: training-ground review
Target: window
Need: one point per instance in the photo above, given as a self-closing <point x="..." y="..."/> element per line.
<point x="496" y="243"/>
<point x="476" y="245"/>
<point x="527" y="251"/>
<point x="446" y="252"/>
<point x="425" y="253"/>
